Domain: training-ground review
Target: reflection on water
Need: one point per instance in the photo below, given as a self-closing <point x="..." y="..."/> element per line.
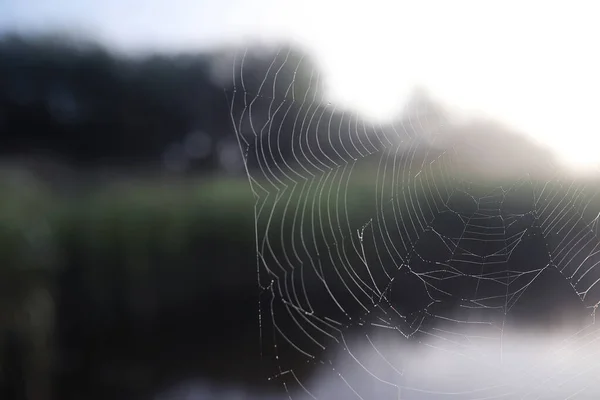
<point x="462" y="365"/>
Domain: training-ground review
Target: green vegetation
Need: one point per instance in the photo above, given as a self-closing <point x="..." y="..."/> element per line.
<point x="128" y="253"/>
<point x="37" y="225"/>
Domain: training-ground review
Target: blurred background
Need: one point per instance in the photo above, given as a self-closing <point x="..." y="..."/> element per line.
<point x="136" y="138"/>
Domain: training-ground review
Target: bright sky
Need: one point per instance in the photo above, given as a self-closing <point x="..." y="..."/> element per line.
<point x="532" y="64"/>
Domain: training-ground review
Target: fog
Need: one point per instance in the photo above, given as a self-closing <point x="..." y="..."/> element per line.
<point x="464" y="363"/>
<point x="530" y="66"/>
<point x="285" y="199"/>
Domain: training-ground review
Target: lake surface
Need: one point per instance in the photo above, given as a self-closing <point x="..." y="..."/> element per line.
<point x="464" y="365"/>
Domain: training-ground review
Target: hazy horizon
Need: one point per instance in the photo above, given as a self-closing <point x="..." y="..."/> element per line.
<point x="526" y="65"/>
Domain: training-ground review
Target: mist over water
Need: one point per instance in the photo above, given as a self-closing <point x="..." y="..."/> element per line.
<point x="473" y="362"/>
<point x="392" y="187"/>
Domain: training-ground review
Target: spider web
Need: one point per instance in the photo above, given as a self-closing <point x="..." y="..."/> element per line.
<point x="381" y="251"/>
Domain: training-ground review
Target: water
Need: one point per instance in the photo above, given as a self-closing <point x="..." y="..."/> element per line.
<point x="455" y="365"/>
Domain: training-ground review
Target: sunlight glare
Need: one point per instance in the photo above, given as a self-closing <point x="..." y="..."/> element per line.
<point x="529" y="64"/>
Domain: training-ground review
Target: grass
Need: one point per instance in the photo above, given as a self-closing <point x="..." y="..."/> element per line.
<point x="124" y="222"/>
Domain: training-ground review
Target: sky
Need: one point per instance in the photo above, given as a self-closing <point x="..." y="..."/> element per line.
<point x="530" y="63"/>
